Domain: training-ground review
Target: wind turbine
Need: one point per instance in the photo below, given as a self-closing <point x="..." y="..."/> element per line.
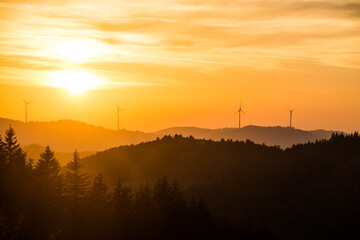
<point x="26" y="109"/>
<point x="118" y="114"/>
<point x="291" y="111"/>
<point x="240" y="111"/>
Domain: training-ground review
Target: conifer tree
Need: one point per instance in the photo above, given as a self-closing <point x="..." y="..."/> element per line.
<point x="48" y="166"/>
<point x="144" y="197"/>
<point x="146" y="216"/>
<point x="98" y="193"/>
<point x="76" y="183"/>
<point x="96" y="223"/>
<point x="2" y="155"/>
<point x="122" y="199"/>
<point x="16" y="182"/>
<point x="2" y="169"/>
<point x="14" y="156"/>
<point x="15" y="175"/>
<point x="75" y="189"/>
<point x="48" y="180"/>
<point x="122" y="206"/>
<point x="47" y="193"/>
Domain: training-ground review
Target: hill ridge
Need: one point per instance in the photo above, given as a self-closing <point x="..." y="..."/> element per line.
<point x="66" y="135"/>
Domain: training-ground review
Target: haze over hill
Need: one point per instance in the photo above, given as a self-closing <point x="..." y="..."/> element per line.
<point x="281" y="136"/>
<point x="284" y="190"/>
<point x="68" y="135"/>
<point x="34" y="150"/>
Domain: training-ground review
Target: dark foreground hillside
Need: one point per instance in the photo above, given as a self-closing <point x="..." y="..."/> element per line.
<point x="38" y="202"/>
<point x="309" y="191"/>
<point x="227" y="190"/>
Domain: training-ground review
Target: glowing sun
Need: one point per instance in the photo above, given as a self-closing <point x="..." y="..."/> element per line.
<point x="75" y="82"/>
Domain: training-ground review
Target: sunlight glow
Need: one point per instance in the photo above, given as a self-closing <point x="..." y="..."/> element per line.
<point x="75" y="82"/>
<point x="75" y="50"/>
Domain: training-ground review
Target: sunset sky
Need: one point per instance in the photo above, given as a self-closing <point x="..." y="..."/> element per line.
<point x="182" y="63"/>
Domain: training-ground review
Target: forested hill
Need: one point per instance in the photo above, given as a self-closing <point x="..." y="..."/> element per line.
<point x="281" y="136"/>
<point x="305" y="191"/>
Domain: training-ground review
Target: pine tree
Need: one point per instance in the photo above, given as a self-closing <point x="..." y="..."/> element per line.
<point x="98" y="193"/>
<point x="16" y="181"/>
<point x="146" y="217"/>
<point x="96" y="224"/>
<point x="48" y="166"/>
<point x="168" y="197"/>
<point x="2" y="156"/>
<point x="76" y="183"/>
<point x="15" y="173"/>
<point x="171" y="206"/>
<point x="122" y="200"/>
<point x="48" y="192"/>
<point x="2" y="169"/>
<point x="14" y="156"/>
<point x="76" y="187"/>
<point x="123" y="211"/>
<point x="144" y="198"/>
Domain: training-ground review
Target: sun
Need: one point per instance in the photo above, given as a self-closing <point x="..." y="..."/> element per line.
<point x="75" y="82"/>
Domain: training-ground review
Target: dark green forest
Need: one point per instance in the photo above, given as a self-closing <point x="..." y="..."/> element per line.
<point x="212" y="190"/>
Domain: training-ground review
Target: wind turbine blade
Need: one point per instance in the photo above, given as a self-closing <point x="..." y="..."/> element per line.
<point x="243" y="112"/>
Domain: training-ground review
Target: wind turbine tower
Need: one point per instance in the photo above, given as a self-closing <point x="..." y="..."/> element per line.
<point x="240" y="111"/>
<point x="26" y="109"/>
<point x="291" y="111"/>
<point x="118" y="116"/>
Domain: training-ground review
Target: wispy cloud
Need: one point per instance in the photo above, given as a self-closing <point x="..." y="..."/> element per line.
<point x="191" y="33"/>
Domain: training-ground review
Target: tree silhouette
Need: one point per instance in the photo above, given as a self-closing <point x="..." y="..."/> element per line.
<point x="76" y="183"/>
<point x="122" y="204"/>
<point x="76" y="186"/>
<point x="2" y="157"/>
<point x="48" y="166"/>
<point x="122" y="201"/>
<point x="97" y="207"/>
<point x="98" y="193"/>
<point x="14" y="156"/>
<point x="16" y="183"/>
<point x="48" y="188"/>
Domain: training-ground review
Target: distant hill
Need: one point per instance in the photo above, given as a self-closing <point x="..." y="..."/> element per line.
<point x="68" y="135"/>
<point x="34" y="150"/>
<point x="297" y="193"/>
<point x="281" y="136"/>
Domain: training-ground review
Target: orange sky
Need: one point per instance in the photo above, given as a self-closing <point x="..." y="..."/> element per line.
<point x="181" y="63"/>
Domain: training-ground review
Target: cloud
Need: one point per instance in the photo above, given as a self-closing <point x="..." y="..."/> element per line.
<point x="191" y="35"/>
<point x="27" y="62"/>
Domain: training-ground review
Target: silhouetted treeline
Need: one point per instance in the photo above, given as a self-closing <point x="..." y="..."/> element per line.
<point x="37" y="202"/>
<point x="309" y="191"/>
